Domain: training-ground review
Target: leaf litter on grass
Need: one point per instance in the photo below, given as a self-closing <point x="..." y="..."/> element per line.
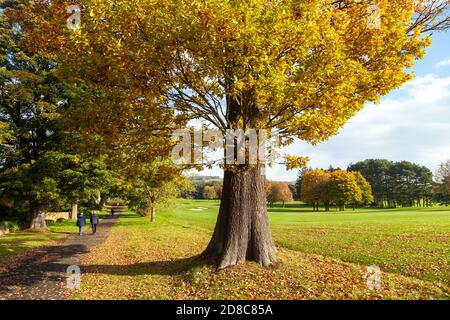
<point x="158" y="262"/>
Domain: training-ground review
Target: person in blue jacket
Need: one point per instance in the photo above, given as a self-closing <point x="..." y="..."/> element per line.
<point x="81" y="222"/>
<point x="94" y="222"/>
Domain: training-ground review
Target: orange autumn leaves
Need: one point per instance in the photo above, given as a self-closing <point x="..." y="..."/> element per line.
<point x="278" y="192"/>
<point x="340" y="187"/>
<point x="303" y="67"/>
<point x="295" y="162"/>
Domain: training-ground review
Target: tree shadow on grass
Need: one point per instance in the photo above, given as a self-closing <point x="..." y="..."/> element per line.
<point x="19" y="243"/>
<point x="47" y="265"/>
<point x="44" y="269"/>
<point x="167" y="267"/>
<point x="47" y="268"/>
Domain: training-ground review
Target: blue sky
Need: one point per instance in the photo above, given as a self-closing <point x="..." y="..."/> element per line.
<point x="411" y="123"/>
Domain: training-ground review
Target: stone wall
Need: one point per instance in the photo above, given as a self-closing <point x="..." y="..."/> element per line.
<point x="3" y="231"/>
<point x="54" y="216"/>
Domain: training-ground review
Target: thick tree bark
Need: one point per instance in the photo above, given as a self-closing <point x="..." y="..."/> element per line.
<point x="242" y="230"/>
<point x="152" y="214"/>
<point x="38" y="219"/>
<point x="74" y="210"/>
<point x="148" y="212"/>
<point x="103" y="199"/>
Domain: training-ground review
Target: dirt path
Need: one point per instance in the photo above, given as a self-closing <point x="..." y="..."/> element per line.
<point x="42" y="273"/>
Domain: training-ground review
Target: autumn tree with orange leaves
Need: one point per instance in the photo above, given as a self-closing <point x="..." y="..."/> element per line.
<point x="339" y="187"/>
<point x="314" y="188"/>
<point x="343" y="189"/>
<point x="293" y="67"/>
<point x="279" y="192"/>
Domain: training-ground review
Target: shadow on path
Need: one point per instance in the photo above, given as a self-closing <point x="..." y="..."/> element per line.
<point x="42" y="273"/>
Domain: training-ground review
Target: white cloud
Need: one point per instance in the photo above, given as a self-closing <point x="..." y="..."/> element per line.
<point x="443" y="63"/>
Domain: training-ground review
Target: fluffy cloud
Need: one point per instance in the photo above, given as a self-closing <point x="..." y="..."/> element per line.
<point x="443" y="63"/>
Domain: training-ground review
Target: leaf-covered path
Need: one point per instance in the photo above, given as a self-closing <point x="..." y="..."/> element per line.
<point x="42" y="273"/>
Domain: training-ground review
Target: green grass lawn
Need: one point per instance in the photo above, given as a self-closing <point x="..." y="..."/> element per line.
<point x="323" y="255"/>
<point x="18" y="242"/>
<point x="409" y="241"/>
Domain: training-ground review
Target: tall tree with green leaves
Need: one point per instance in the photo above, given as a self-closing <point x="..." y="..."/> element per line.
<point x="153" y="184"/>
<point x="297" y="68"/>
<point x="39" y="166"/>
<point x="30" y="96"/>
<point x="5" y="132"/>
<point x="397" y="183"/>
<point x="376" y="171"/>
<point x="315" y="188"/>
<point x="344" y="189"/>
<point x="83" y="180"/>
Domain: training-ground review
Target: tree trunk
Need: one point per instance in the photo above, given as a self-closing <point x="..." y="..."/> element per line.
<point x="38" y="219"/>
<point x="152" y="214"/>
<point x="242" y="230"/>
<point x="103" y="199"/>
<point x="74" y="211"/>
<point x="143" y="212"/>
<point x="148" y="212"/>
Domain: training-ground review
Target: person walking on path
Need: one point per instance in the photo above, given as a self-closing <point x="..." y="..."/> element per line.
<point x="81" y="222"/>
<point x="94" y="222"/>
<point x="112" y="212"/>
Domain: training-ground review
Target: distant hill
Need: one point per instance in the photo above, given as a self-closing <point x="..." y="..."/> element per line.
<point x="198" y="178"/>
<point x="204" y="178"/>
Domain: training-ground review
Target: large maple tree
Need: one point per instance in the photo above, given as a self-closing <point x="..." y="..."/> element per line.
<point x="300" y="68"/>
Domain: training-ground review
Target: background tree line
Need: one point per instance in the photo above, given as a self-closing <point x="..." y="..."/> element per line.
<point x="380" y="183"/>
<point x="391" y="184"/>
<point x="203" y="188"/>
<point x="396" y="184"/>
<point x="211" y="189"/>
